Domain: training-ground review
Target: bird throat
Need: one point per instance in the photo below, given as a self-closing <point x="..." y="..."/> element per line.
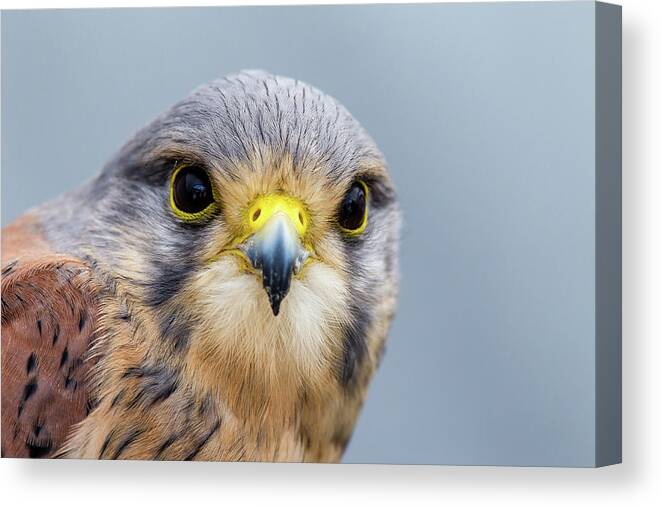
<point x="163" y="398"/>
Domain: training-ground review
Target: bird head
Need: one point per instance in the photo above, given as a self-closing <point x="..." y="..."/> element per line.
<point x="256" y="223"/>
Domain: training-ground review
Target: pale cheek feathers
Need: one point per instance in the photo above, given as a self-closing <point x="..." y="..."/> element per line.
<point x="236" y="319"/>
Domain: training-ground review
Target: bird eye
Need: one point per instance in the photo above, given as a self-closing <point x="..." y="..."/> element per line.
<point x="191" y="193"/>
<point x="352" y="215"/>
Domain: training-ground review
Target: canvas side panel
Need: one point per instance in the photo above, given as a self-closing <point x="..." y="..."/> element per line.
<point x="608" y="276"/>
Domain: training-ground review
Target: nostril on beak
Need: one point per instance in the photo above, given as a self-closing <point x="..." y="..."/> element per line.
<point x="256" y="214"/>
<point x="300" y="218"/>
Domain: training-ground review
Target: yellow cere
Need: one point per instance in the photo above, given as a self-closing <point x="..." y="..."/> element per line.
<point x="266" y="206"/>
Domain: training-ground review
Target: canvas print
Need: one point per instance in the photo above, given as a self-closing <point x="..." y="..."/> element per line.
<point x="330" y="247"/>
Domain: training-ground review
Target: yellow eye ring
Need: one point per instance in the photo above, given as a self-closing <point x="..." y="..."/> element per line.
<point x="353" y="211"/>
<point x="192" y="195"/>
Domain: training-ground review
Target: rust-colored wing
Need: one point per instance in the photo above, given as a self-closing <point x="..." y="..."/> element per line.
<point x="49" y="315"/>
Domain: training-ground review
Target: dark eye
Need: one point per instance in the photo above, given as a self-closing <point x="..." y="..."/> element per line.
<point x="191" y="191"/>
<point x="353" y="210"/>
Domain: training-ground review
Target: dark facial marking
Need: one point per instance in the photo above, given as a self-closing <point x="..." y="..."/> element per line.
<point x="69" y="382"/>
<point x="39" y="450"/>
<point x="305" y="437"/>
<point x="124" y="313"/>
<point x="167" y="255"/>
<point x="90" y="405"/>
<point x="341" y="439"/>
<point x="204" y="407"/>
<point x="106" y="442"/>
<point x="156" y="384"/>
<point x="355" y="339"/>
<point x="165" y="446"/>
<point x="127" y="441"/>
<point x="354" y="345"/>
<point x="203" y="441"/>
<point x="381" y="194"/>
<point x="176" y="330"/>
<point x="117" y="398"/>
<point x="64" y="357"/>
<point x="9" y="267"/>
<point x="31" y="363"/>
<point x="29" y="390"/>
<point x="168" y="279"/>
<point x="163" y="392"/>
<point x="81" y="321"/>
<point x="134" y="372"/>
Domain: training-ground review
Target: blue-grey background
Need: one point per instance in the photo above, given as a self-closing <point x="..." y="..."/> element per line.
<point x="486" y="115"/>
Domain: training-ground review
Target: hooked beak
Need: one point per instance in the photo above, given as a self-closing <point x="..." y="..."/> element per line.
<point x="275" y="248"/>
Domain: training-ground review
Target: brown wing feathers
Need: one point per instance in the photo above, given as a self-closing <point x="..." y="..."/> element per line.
<point x="49" y="313"/>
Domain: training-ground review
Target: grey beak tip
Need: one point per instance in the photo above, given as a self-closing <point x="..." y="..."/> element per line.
<point x="276" y="252"/>
<point x="275" y="299"/>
